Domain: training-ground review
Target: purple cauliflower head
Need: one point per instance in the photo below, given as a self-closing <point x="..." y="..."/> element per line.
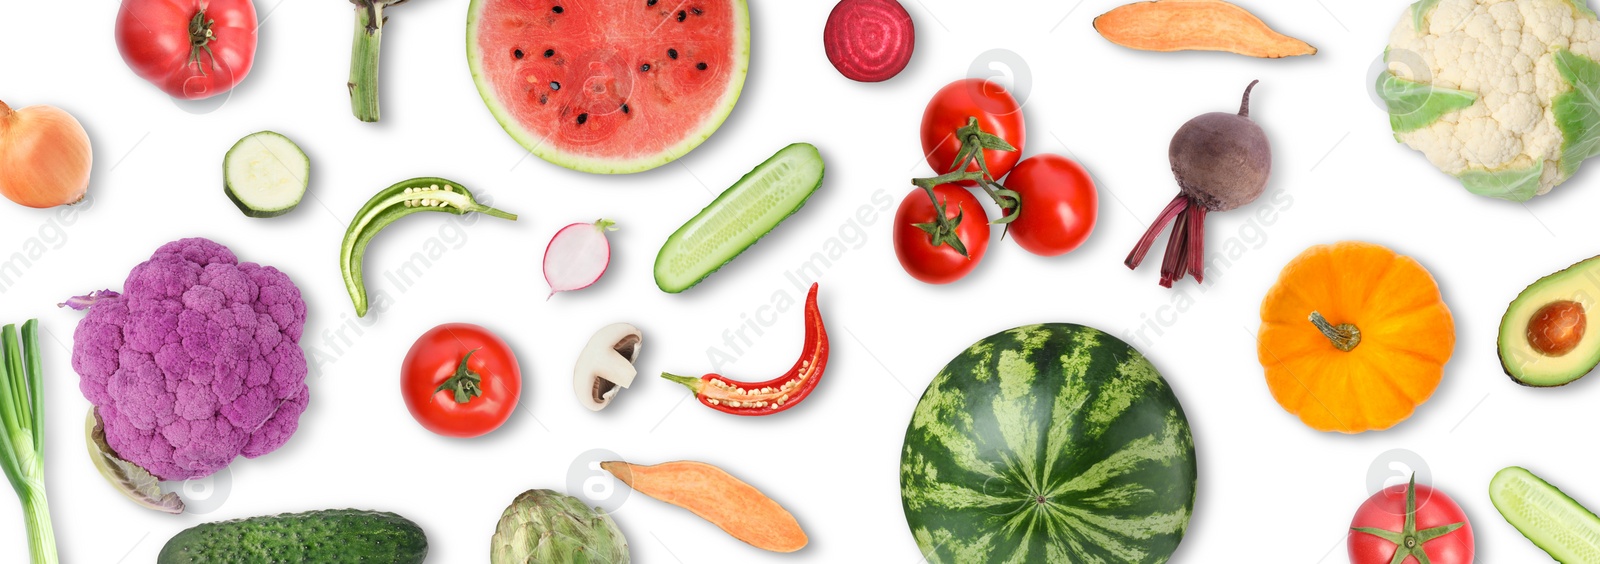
<point x="198" y="360"/>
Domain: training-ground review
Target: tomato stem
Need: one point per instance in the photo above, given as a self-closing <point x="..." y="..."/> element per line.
<point x="464" y="384"/>
<point x="1408" y="541"/>
<point x="200" y="37"/>
<point x="942" y="230"/>
<point x="974" y="141"/>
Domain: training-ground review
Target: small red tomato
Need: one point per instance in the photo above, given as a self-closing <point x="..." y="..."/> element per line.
<point x="460" y="380"/>
<point x="1059" y="205"/>
<point x="951" y="108"/>
<point x="941" y="263"/>
<point x="1395" y="521"/>
<point x="190" y="49"/>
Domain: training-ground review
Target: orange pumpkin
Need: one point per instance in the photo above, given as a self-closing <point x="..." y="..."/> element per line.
<point x="1354" y="337"/>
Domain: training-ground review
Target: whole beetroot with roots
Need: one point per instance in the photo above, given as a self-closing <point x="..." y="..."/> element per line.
<point x="1221" y="162"/>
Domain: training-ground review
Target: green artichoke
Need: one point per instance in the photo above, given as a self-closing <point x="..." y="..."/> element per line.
<point x="546" y="527"/>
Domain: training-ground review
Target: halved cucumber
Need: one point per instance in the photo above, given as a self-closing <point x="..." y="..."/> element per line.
<point x="265" y="174"/>
<point x="744" y="213"/>
<point x="1553" y="521"/>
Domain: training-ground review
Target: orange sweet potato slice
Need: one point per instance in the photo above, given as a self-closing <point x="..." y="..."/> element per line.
<point x="1196" y="25"/>
<point x="718" y="497"/>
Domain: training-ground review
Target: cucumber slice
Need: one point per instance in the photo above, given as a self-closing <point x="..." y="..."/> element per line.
<point x="1553" y="521"/>
<point x="739" y="217"/>
<point x="265" y="174"/>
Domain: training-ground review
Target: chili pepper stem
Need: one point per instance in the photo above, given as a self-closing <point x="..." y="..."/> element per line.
<point x="486" y="210"/>
<point x="694" y="384"/>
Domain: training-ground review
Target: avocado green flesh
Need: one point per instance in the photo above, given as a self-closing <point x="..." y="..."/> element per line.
<point x="1580" y="283"/>
<point x="739" y="217"/>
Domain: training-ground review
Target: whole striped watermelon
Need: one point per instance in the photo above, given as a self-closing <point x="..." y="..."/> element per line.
<point x="1048" y="443"/>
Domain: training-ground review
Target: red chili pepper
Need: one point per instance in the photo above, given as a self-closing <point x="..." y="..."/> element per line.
<point x="771" y="396"/>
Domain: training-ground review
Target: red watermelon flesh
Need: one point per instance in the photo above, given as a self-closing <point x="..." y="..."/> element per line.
<point x="609" y="86"/>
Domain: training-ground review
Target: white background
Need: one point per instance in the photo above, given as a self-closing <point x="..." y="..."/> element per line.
<point x="1270" y="488"/>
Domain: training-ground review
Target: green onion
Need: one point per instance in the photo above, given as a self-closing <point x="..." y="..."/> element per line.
<point x="22" y="434"/>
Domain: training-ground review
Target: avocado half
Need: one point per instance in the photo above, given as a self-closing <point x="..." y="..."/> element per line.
<point x="1550" y="334"/>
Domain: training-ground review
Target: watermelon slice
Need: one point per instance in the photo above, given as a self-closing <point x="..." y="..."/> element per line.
<point x="609" y="86"/>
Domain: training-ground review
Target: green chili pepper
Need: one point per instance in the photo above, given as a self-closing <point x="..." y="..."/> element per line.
<point x="393" y="203"/>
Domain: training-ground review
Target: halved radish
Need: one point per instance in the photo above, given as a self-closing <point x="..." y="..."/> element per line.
<point x="577" y="256"/>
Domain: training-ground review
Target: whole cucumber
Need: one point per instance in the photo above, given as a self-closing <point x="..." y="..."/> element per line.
<point x="313" y="537"/>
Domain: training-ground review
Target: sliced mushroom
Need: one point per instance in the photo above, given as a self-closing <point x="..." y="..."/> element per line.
<point x="606" y="365"/>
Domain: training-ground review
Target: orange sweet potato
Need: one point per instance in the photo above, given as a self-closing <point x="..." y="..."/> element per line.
<point x="1196" y="25"/>
<point x="718" y="497"/>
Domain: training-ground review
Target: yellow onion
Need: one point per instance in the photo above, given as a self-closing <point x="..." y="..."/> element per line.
<point x="44" y="157"/>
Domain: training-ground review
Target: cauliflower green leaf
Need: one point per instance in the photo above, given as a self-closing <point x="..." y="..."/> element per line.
<point x="129" y="479"/>
<point x="1582" y="6"/>
<point x="1577" y="110"/>
<point x="1517" y="185"/>
<point x="1414" y="105"/>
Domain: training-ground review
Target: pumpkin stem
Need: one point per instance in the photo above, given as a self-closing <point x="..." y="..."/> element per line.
<point x="1344" y="336"/>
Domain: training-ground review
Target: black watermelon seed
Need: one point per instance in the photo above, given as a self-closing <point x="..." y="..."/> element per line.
<point x="544" y="98"/>
<point x="624" y="108"/>
<point x="517" y="53"/>
<point x="682" y="15"/>
<point x="650" y="3"/>
<point x="582" y="118"/>
<point x="557" y="9"/>
<point x="697" y="11"/>
<point x="555" y="85"/>
<point x="670" y="53"/>
<point x="701" y="66"/>
<point x="549" y="53"/>
<point x="644" y="67"/>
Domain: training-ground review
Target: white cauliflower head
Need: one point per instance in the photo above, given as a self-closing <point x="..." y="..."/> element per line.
<point x="1503" y="94"/>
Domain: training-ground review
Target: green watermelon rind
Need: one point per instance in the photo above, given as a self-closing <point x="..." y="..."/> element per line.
<point x="1101" y="401"/>
<point x="534" y="144"/>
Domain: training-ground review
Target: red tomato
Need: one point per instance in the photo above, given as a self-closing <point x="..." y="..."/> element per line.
<point x="1386" y="512"/>
<point x="457" y="400"/>
<point x="940" y="264"/>
<point x="1059" y="205"/>
<point x="997" y="112"/>
<point x="190" y="49"/>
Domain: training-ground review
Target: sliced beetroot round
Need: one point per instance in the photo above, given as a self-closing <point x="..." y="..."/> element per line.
<point x="869" y="40"/>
